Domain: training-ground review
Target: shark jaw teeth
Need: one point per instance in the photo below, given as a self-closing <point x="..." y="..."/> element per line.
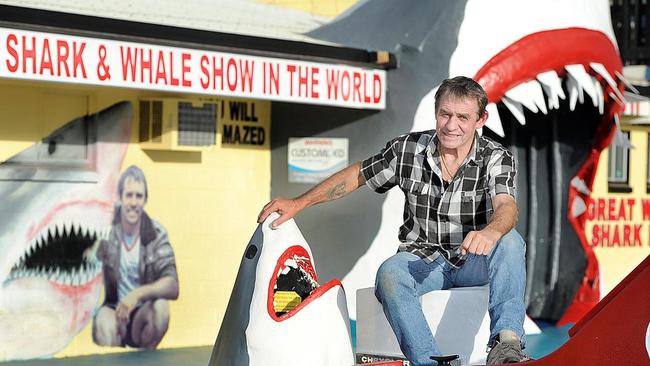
<point x="543" y="94"/>
<point x="294" y="272"/>
<point x="64" y="253"/>
<point x="296" y="264"/>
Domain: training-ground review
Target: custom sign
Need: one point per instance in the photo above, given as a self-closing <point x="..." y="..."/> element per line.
<point x="313" y="159"/>
<point x="82" y="60"/>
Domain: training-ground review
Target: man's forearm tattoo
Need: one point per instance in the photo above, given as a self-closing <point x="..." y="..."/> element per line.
<point x="337" y="191"/>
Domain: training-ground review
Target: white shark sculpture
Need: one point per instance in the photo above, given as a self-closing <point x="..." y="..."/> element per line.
<point x="316" y="332"/>
<point x="50" y="217"/>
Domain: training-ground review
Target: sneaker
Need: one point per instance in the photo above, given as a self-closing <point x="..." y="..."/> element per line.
<point x="506" y="352"/>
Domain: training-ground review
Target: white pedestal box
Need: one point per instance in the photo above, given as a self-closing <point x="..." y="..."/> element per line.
<point x="458" y="319"/>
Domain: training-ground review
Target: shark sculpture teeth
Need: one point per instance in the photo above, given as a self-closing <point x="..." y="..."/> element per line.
<point x="627" y="83"/>
<point x="293" y="263"/>
<point x="494" y="120"/>
<point x="544" y="93"/>
<point x="552" y="87"/>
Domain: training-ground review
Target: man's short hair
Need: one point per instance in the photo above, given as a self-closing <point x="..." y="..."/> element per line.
<point x="463" y="87"/>
<point x="137" y="175"/>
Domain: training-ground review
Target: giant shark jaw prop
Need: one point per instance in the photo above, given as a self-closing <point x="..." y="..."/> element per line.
<point x="315" y="332"/>
<point x="553" y="81"/>
<point x="50" y="222"/>
<point x="523" y="76"/>
<point x="550" y="70"/>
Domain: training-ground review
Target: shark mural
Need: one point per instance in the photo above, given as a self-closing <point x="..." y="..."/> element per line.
<point x="553" y="76"/>
<point x="57" y="200"/>
<point x="314" y="331"/>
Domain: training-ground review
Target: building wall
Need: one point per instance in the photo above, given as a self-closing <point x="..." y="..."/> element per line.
<point x="328" y="9"/>
<point x="613" y="217"/>
<point x="207" y="200"/>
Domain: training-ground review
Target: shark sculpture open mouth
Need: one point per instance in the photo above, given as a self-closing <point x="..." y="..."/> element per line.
<point x="551" y="70"/>
<point x="296" y="273"/>
<point x="314" y="329"/>
<point x="586" y="58"/>
<point x="569" y="74"/>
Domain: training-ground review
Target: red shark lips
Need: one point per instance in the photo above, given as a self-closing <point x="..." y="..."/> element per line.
<point x="547" y="51"/>
<point x="294" y="272"/>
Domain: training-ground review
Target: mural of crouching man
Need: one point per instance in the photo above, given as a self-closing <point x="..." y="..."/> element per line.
<point x="139" y="272"/>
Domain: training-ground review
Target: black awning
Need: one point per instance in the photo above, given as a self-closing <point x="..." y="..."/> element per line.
<point x="92" y="26"/>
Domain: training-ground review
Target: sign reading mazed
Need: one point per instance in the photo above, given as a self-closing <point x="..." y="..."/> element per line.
<point x="313" y="159"/>
<point x="55" y="57"/>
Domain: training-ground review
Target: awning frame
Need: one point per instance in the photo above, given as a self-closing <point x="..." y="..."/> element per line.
<point x="117" y="29"/>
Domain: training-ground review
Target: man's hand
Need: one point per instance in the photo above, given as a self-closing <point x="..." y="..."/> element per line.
<point x="479" y="242"/>
<point x="287" y="208"/>
<point x="126" y="306"/>
<point x="503" y="220"/>
<point x="332" y="188"/>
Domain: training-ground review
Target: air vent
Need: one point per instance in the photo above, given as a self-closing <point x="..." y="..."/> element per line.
<point x="156" y="121"/>
<point x="145" y="122"/>
<point x="196" y="125"/>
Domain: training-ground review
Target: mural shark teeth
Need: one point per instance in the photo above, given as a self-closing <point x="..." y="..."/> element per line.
<point x="315" y="332"/>
<point x="61" y="240"/>
<point x="57" y="201"/>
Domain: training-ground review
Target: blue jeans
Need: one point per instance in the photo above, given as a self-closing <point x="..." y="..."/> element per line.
<point x="404" y="277"/>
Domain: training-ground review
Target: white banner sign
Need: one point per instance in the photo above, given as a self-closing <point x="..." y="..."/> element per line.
<point x="313" y="159"/>
<point x="70" y="59"/>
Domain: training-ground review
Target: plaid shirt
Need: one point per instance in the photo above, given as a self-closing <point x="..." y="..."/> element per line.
<point x="436" y="220"/>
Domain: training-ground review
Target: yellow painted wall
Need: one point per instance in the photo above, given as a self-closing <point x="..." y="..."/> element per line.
<point x="324" y="8"/>
<point x="41" y="109"/>
<point x="208" y="200"/>
<point x="615" y="262"/>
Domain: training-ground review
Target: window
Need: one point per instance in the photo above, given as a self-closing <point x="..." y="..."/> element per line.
<point x="618" y="167"/>
<point x="630" y="23"/>
<point x="648" y="163"/>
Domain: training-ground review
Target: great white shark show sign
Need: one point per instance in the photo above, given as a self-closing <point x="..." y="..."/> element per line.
<point x="82" y="60"/>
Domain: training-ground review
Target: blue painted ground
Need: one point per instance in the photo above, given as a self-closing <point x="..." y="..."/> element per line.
<point x="551" y="338"/>
<point x="537" y="345"/>
<point x="191" y="356"/>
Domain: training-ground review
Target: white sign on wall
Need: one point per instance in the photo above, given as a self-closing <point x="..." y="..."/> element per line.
<point x="83" y="60"/>
<point x="313" y="159"/>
